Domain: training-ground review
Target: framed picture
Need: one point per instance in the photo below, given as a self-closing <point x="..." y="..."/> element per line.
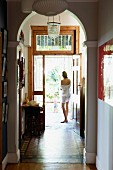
<point x="6" y="112"/>
<point x="5" y="89"/>
<point x="3" y="66"/>
<point x="4" y="41"/>
<point x="3" y="111"/>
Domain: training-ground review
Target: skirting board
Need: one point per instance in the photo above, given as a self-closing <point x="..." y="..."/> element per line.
<point x="90" y="158"/>
<point x="14" y="157"/>
<point x="11" y="158"/>
<point x="98" y="165"/>
<point x="4" y="162"/>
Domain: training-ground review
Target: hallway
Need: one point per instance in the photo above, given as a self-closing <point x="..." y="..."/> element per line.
<point x="59" y="148"/>
<point x="60" y="143"/>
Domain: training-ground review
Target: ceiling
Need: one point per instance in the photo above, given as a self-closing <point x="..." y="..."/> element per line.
<point x="66" y="0"/>
<point x="28" y="6"/>
<point x="82" y="0"/>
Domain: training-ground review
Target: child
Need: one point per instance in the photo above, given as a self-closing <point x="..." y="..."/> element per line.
<point x="55" y="104"/>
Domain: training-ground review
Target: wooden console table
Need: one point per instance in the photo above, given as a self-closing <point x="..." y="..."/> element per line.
<point x="34" y="120"/>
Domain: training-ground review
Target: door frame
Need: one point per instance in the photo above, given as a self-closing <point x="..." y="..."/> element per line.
<point x="81" y="96"/>
<point x="79" y="107"/>
<point x="42" y="30"/>
<point x="32" y="51"/>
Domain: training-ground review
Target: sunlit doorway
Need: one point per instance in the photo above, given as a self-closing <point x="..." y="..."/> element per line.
<point x="54" y="65"/>
<point x="47" y="76"/>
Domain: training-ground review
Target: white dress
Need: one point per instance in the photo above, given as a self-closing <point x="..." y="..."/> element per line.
<point x="65" y="93"/>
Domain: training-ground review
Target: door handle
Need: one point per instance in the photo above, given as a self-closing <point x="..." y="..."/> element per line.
<point x="78" y="85"/>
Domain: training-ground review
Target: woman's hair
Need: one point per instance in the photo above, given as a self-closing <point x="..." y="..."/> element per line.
<point x="64" y="74"/>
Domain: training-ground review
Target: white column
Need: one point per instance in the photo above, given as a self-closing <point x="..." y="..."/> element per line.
<point x="91" y="102"/>
<point x="13" y="129"/>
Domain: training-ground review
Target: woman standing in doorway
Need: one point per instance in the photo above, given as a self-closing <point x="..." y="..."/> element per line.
<point x="65" y="95"/>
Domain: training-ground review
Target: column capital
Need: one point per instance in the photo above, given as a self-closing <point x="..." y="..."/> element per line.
<point x="90" y="43"/>
<point x="12" y="44"/>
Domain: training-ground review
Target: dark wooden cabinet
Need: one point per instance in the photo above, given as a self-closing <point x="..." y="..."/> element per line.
<point x="33" y="120"/>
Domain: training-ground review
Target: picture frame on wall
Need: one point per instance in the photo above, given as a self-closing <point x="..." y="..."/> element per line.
<point x="3" y="111"/>
<point x="5" y="89"/>
<point x="3" y="66"/>
<point x="6" y="113"/>
<point x="4" y="41"/>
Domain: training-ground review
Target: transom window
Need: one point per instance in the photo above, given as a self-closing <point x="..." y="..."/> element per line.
<point x="61" y="43"/>
<point x="66" y="43"/>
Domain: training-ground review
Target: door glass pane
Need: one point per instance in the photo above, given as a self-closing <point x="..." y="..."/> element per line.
<point x="38" y="73"/>
<point x="76" y="82"/>
<point x="39" y="99"/>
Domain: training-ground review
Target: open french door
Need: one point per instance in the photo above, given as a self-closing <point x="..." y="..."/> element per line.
<point x="39" y="82"/>
<point x="78" y="99"/>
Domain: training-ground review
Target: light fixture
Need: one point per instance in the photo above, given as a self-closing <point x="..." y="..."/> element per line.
<point x="53" y="28"/>
<point x="49" y="7"/>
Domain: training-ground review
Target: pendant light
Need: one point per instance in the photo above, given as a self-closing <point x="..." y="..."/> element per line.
<point x="53" y="28"/>
<point x="49" y="7"/>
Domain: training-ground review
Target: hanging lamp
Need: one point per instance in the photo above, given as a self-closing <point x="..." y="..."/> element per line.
<point x="49" y="7"/>
<point x="53" y="28"/>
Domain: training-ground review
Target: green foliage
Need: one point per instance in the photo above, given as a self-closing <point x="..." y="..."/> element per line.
<point x="52" y="82"/>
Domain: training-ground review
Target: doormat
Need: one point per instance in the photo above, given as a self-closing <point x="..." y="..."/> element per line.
<point x="29" y="148"/>
<point x="24" y="146"/>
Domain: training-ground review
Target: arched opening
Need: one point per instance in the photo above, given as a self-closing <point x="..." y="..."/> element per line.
<point x="35" y="19"/>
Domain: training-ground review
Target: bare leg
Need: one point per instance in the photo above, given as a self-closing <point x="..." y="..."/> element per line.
<point x="67" y="108"/>
<point x="64" y="112"/>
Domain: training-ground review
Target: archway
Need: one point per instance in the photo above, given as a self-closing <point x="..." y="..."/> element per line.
<point x="25" y="28"/>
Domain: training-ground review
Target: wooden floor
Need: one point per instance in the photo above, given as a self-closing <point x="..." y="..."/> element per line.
<point x="57" y="132"/>
<point x="60" y="143"/>
<point x="35" y="166"/>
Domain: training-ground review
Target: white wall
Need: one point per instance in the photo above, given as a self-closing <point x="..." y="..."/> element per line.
<point x="105" y="136"/>
<point x="105" y="111"/>
<point x="91" y="105"/>
<point x="13" y="142"/>
<point x="24" y="51"/>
